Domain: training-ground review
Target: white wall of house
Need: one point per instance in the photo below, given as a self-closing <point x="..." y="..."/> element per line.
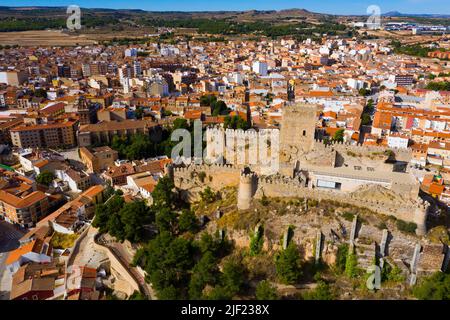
<point x="397" y="142"/>
<point x="61" y="229"/>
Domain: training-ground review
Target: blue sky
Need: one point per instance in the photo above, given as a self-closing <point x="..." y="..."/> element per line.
<point x="325" y="6"/>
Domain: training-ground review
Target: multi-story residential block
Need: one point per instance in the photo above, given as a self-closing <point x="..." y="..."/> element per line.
<point x="397" y="141"/>
<point x="13" y="78"/>
<point x="5" y="127"/>
<point x="49" y="135"/>
<point x="23" y="208"/>
<point x="404" y="80"/>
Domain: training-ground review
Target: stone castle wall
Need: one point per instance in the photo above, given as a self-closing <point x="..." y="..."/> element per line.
<point x="286" y="187"/>
<point x="193" y="179"/>
<point x="218" y="138"/>
<point x="358" y="150"/>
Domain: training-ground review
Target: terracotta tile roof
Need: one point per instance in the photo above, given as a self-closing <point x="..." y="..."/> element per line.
<point x="320" y="94"/>
<point x="32" y="285"/>
<point x="43" y="126"/>
<point x="149" y="187"/>
<point x="31" y="246"/>
<point x="53" y="108"/>
<point x="41" y="163"/>
<point x="439" y="145"/>
<point x="211" y="120"/>
<point x="24" y="202"/>
<point x="193" y="114"/>
<point x="93" y="191"/>
<point x="330" y="114"/>
<point x="242" y="115"/>
<point x="115" y="125"/>
<point x="436" y="189"/>
<point x="124" y="169"/>
<point x="436" y="134"/>
<point x="382" y="120"/>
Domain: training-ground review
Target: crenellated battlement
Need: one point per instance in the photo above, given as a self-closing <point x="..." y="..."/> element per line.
<point x="319" y="144"/>
<point x="205" y="167"/>
<point x="247" y="177"/>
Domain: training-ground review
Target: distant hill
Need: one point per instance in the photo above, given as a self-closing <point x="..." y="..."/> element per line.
<point x="272" y="23"/>
<point x="415" y="15"/>
<point x="47" y="12"/>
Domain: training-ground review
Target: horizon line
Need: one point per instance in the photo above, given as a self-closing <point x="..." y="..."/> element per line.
<point x="244" y="10"/>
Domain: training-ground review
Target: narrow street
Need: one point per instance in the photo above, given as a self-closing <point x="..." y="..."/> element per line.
<point x="9" y="240"/>
<point x="125" y="257"/>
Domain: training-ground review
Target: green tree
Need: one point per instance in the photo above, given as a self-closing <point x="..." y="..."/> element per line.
<point x="213" y="244"/>
<point x="219" y="108"/>
<point x="439" y="86"/>
<point x="207" y="195"/>
<point x="219" y="293"/>
<point x="40" y="93"/>
<point x="205" y="272"/>
<point x="233" y="276"/>
<point x="180" y="123"/>
<point x="434" y="287"/>
<point x="188" y="222"/>
<point x="287" y="264"/>
<point x="45" y="178"/>
<point x="163" y="196"/>
<point x="207" y="100"/>
<point x="137" y="147"/>
<point x="167" y="261"/>
<point x="116" y="227"/>
<point x="137" y="296"/>
<point x="321" y="292"/>
<point x="139" y="112"/>
<point x="266" y="291"/>
<point x="341" y="257"/>
<point x="339" y="135"/>
<point x="166" y="220"/>
<point x="408" y="227"/>
<point x="101" y="218"/>
<point x="391" y="273"/>
<point x="235" y="122"/>
<point x="364" y="92"/>
<point x="366" y="119"/>
<point x="257" y="242"/>
<point x="123" y="220"/>
<point x="351" y="265"/>
<point x="169" y="293"/>
<point x="134" y="216"/>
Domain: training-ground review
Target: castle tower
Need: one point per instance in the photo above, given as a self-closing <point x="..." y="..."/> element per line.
<point x="297" y="131"/>
<point x="169" y="171"/>
<point x="246" y="189"/>
<point x="420" y="219"/>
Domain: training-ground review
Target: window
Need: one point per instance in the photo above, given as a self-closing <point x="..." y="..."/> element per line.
<point x="357" y="167"/>
<point x="304" y="132"/>
<point x="35" y="297"/>
<point x="370" y="169"/>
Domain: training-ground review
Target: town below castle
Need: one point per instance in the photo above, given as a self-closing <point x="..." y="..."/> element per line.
<point x="322" y="170"/>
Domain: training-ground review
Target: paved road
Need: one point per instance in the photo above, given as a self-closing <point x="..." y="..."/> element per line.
<point x="126" y="258"/>
<point x="9" y="236"/>
<point x="9" y="240"/>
